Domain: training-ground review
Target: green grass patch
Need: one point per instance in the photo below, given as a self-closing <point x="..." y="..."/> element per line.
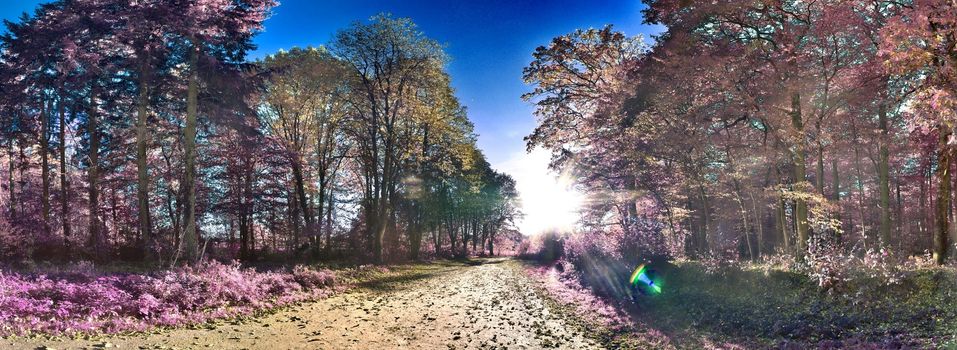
<point x="771" y="306"/>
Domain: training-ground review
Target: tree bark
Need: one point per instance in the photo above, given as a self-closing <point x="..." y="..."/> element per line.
<point x="760" y="220"/>
<point x="800" y="174"/>
<point x="12" y="184"/>
<point x="836" y="182"/>
<point x="883" y="170"/>
<point x="329" y="222"/>
<point x="820" y="170"/>
<point x="491" y="245"/>
<point x="245" y="220"/>
<point x="836" y="191"/>
<point x="782" y="221"/>
<point x="45" y="164"/>
<point x="190" y="238"/>
<point x="860" y="187"/>
<point x="705" y="220"/>
<point x="303" y="201"/>
<point x="22" y="179"/>
<point x="922" y="204"/>
<point x="142" y="172"/>
<point x="93" y="173"/>
<point x="64" y="184"/>
<point x="320" y="212"/>
<point x="943" y="196"/>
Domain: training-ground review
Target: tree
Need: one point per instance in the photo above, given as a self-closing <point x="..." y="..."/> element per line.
<point x="386" y="55"/>
<point x="165" y="130"/>
<point x="303" y="106"/>
<point x="218" y="34"/>
<point x="918" y="44"/>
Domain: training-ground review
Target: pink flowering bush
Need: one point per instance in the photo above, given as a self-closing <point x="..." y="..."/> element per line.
<point x="310" y="278"/>
<point x="83" y="302"/>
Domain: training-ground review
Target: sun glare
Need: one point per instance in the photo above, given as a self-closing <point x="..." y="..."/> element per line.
<point x="548" y="200"/>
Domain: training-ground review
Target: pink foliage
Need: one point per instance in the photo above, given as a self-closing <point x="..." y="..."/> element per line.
<point x="310" y="278"/>
<point x="565" y="287"/>
<point x="83" y="302"/>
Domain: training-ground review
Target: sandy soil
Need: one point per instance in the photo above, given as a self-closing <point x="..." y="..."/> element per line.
<point x="492" y="305"/>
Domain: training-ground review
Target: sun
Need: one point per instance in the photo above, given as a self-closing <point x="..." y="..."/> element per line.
<point x="548" y="200"/>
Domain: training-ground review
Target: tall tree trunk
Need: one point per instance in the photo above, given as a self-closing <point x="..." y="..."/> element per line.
<point x="329" y="223"/>
<point x="415" y="235"/>
<point x="800" y="175"/>
<point x="94" y="170"/>
<point x="491" y="245"/>
<point x="782" y="221"/>
<point x="899" y="220"/>
<point x="22" y="179"/>
<point x="243" y="232"/>
<point x="64" y="184"/>
<point x="860" y="188"/>
<point x="883" y="175"/>
<point x="820" y="170"/>
<point x="173" y="205"/>
<point x="836" y="182"/>
<point x="45" y="163"/>
<point x="745" y="222"/>
<point x="836" y="190"/>
<point x="382" y="212"/>
<point x="952" y="229"/>
<point x="12" y="185"/>
<point x="922" y="204"/>
<point x="705" y="220"/>
<point x="190" y="234"/>
<point x="436" y="240"/>
<point x="292" y="214"/>
<point x="245" y="187"/>
<point x="303" y="201"/>
<point x="943" y="195"/>
<point x="320" y="211"/>
<point x="760" y="220"/>
<point x="142" y="172"/>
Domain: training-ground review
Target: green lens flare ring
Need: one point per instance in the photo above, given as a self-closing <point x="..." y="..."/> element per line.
<point x="640" y="277"/>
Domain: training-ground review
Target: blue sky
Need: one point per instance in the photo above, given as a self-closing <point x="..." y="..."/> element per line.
<point x="490" y="41"/>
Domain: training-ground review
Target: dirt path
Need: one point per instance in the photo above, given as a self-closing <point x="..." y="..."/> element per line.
<point x="441" y="306"/>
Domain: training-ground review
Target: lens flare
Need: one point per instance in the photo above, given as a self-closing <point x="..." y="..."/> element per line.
<point x="634" y="275"/>
<point x="641" y="274"/>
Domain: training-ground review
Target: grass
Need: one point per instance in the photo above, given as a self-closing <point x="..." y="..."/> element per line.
<point x="779" y="306"/>
<point x="761" y="307"/>
<point x="399" y="276"/>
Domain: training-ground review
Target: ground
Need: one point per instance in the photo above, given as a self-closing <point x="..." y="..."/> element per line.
<point x="486" y="304"/>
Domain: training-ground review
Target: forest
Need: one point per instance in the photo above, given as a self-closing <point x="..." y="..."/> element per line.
<point x="753" y="128"/>
<point x="769" y="173"/>
<point x="137" y="130"/>
<point x="805" y="137"/>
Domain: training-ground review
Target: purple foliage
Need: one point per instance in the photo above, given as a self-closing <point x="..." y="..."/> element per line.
<point x="83" y="302"/>
<point x="310" y="278"/>
<point x="566" y="287"/>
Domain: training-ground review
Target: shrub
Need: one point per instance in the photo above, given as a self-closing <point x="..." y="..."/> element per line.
<point x="547" y="247"/>
<point x="828" y="261"/>
<point x="310" y="278"/>
<point x="79" y="301"/>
